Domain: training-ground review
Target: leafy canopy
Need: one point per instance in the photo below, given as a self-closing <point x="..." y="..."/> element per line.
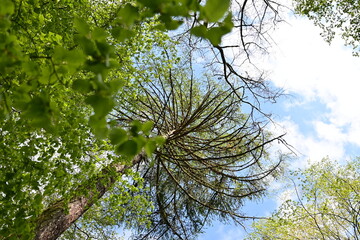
<point x="58" y="60"/>
<point x="334" y="17"/>
<point x="84" y="89"/>
<point x="326" y="205"/>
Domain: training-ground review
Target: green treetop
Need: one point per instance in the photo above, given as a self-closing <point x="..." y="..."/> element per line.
<point x="94" y="95"/>
<point x="326" y="205"/>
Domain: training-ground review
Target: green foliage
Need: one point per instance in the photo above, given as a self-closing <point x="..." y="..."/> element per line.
<point x="87" y="86"/>
<point x="334" y="17"/>
<point x="214" y="10"/>
<point x="121" y="205"/>
<point x="214" y="34"/>
<point x="38" y="168"/>
<point x="50" y="52"/>
<point x="325" y="205"/>
<point x="63" y="65"/>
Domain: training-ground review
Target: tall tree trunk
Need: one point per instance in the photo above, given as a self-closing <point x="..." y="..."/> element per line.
<point x="59" y="216"/>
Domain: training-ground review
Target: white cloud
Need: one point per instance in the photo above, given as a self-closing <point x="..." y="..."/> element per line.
<point x="285" y="195"/>
<point x="304" y="64"/>
<point x="311" y="148"/>
<point x="329" y="132"/>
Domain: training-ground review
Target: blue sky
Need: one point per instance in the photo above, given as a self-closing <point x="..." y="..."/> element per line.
<point x="320" y="114"/>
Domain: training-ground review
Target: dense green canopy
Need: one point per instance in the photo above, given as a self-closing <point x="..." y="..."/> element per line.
<point x="96" y="100"/>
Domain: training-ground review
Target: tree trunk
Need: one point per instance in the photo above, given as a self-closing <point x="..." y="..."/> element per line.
<point x="59" y="217"/>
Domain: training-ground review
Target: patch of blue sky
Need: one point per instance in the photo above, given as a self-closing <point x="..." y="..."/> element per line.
<point x="352" y="151"/>
<point x="304" y="114"/>
<point x="300" y="111"/>
<point x="220" y="231"/>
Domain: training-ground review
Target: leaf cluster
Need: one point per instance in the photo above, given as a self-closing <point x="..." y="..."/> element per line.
<point x="334" y="17"/>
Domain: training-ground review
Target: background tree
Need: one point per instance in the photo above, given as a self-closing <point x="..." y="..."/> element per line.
<point x="64" y="67"/>
<point x="326" y="205"/>
<point x="334" y="17"/>
<point x="214" y="157"/>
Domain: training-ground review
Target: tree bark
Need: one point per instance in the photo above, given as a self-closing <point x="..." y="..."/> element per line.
<point x="60" y="215"/>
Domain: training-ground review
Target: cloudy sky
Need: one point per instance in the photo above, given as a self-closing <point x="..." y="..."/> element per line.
<point x="320" y="112"/>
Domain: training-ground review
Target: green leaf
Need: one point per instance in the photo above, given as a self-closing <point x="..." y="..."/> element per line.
<point x="120" y="33"/>
<point x="136" y="127"/>
<point x="199" y="31"/>
<point x="38" y="199"/>
<point x="82" y="85"/>
<point x="59" y="53"/>
<point x="99" y="34"/>
<point x="150" y="147"/>
<point x="38" y="112"/>
<point x="87" y="45"/>
<point x="102" y="105"/>
<point x="37" y="107"/>
<point x="41" y="19"/>
<point x="47" y="75"/>
<point x="228" y="23"/>
<point x="5" y="23"/>
<point x="101" y="132"/>
<point x="75" y="57"/>
<point x="104" y="48"/>
<point x="128" y="14"/>
<point x="147" y="127"/>
<point x="215" y="9"/>
<point x="159" y="140"/>
<point x="170" y="23"/>
<point x="69" y="60"/>
<point x="118" y="136"/>
<point x="140" y="140"/>
<point x="215" y="34"/>
<point x="82" y="26"/>
<point x="128" y="148"/>
<point x="6" y="7"/>
<point x="116" y="84"/>
<point x="30" y="68"/>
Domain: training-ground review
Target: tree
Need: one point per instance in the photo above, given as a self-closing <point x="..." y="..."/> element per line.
<point x="77" y="79"/>
<point x="214" y="157"/>
<point x="51" y="75"/>
<point x="337" y="16"/>
<point x="327" y="205"/>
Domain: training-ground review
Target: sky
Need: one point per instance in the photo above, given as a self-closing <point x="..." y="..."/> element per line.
<point x="319" y="111"/>
<point x="320" y="115"/>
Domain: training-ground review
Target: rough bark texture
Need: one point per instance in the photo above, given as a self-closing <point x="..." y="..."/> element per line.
<point x="59" y="217"/>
